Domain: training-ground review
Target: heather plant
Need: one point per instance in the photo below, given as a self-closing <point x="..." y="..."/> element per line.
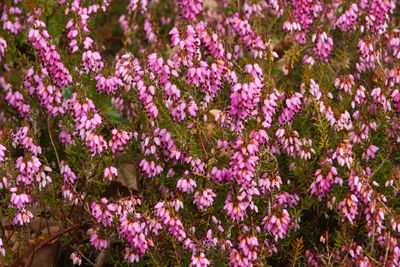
<point x="200" y="133"/>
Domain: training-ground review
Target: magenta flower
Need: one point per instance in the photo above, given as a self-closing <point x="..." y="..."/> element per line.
<point x="2" y="250"/>
<point x="23" y="217"/>
<point x="110" y="173"/>
<point x="186" y="185"/>
<point x="119" y="140"/>
<point x="277" y="225"/>
<point x="349" y="208"/>
<point x="103" y="212"/>
<point x="3" y="150"/>
<point x="204" y="199"/>
<point x="76" y="259"/>
<point x="200" y="260"/>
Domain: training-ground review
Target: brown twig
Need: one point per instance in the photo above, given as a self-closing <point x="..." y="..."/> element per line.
<point x="52" y="14"/>
<point x="48" y="240"/>
<point x="2" y="231"/>
<point x="201" y="141"/>
<point x="288" y="76"/>
<point x="387" y="251"/>
<point x="381" y="165"/>
<point x="10" y="234"/>
<point x="52" y="142"/>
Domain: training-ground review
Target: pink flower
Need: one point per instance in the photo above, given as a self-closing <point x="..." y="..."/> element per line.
<point x="69" y="24"/>
<point x="15" y="99"/>
<point x="91" y="61"/>
<point x="2" y="250"/>
<point x="323" y="47"/>
<point x="236" y="210"/>
<point x="3" y="150"/>
<point x="192" y="108"/>
<point x="23" y="217"/>
<point x="19" y="200"/>
<point x="103" y="212"/>
<point x="110" y="172"/>
<point x="370" y="152"/>
<point x="109" y="85"/>
<point x="3" y="47"/>
<point x="21" y="138"/>
<point x="150" y="168"/>
<point x="348" y="20"/>
<point x="345" y="83"/>
<point x="200" y="260"/>
<point x="76" y="259"/>
<point x="186" y="185"/>
<point x="98" y="242"/>
<point x="50" y="57"/>
<point x="321" y="186"/>
<point x="349" y="208"/>
<point x="72" y="34"/>
<point x="96" y="143"/>
<point x="87" y="43"/>
<point x="278" y="225"/>
<point x="205" y="199"/>
<point x="66" y="138"/>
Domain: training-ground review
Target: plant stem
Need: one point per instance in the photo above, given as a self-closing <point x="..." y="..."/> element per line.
<point x="48" y="240"/>
<point x="52" y="142"/>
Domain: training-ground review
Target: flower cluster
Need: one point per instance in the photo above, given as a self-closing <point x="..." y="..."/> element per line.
<point x="200" y="133"/>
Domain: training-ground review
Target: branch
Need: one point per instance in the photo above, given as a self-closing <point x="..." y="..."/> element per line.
<point x="52" y="14"/>
<point x="381" y="165"/>
<point x="52" y="142"/>
<point x="201" y="141"/>
<point x="387" y="250"/>
<point x="48" y="240"/>
<point x="288" y="76"/>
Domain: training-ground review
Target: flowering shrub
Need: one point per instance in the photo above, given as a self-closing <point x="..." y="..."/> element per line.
<point x="200" y="132"/>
